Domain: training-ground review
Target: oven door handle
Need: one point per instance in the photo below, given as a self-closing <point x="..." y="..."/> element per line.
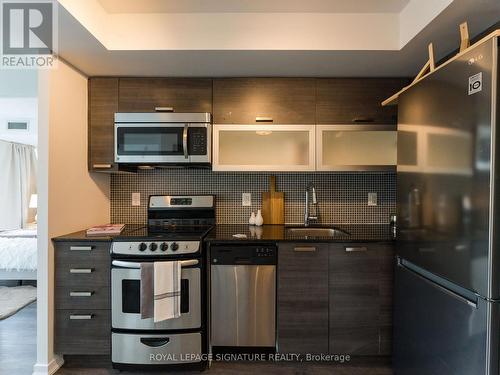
<point x="123" y="264"/>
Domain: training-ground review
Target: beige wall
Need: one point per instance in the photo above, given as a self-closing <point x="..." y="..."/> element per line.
<point x="70" y="199"/>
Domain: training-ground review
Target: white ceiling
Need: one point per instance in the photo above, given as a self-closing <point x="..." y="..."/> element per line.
<point x="114" y="45"/>
<point x="253" y="6"/>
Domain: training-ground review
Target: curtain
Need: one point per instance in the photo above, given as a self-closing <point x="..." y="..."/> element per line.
<point x="17" y="183"/>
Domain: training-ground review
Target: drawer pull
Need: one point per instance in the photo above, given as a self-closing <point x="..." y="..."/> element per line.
<point x="363" y="120"/>
<point x="81" y="294"/>
<point x="164" y="109"/>
<point x="263" y="119"/>
<point x="304" y="249"/>
<point x="102" y="166"/>
<point x="81" y="317"/>
<point x="81" y="270"/>
<point x="355" y="249"/>
<point x="81" y="248"/>
<point x="155" y="342"/>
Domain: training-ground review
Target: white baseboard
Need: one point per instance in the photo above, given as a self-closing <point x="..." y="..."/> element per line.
<point x="48" y="368"/>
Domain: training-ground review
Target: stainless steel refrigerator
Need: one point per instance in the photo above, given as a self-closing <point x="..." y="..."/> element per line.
<point x="447" y="281"/>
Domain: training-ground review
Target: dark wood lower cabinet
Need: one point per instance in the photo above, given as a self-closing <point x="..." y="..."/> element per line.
<point x="82" y="332"/>
<point x="335" y="298"/>
<point x="360" y="291"/>
<point x="82" y="298"/>
<point x="303" y="298"/>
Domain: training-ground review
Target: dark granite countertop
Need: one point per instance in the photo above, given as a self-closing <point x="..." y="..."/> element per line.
<point x="266" y="233"/>
<point x="272" y="233"/>
<point x="82" y="235"/>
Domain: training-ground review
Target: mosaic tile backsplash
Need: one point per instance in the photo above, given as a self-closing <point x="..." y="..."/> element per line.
<point x="342" y="196"/>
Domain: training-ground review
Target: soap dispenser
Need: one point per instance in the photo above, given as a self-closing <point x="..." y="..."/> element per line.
<point x="251" y="221"/>
<point x="259" y="220"/>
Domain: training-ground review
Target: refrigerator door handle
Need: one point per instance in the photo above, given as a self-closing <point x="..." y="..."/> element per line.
<point x="451" y="293"/>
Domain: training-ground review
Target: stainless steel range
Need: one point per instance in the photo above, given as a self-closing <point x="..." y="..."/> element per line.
<point x="175" y="231"/>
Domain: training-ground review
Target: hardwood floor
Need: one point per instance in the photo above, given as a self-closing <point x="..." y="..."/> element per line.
<point x="227" y="368"/>
<point x="18" y="342"/>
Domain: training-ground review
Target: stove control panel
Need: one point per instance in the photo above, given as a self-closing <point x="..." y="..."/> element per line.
<point x="155" y="248"/>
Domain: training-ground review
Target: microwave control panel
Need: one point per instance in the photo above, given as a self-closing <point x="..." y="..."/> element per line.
<point x="197" y="141"/>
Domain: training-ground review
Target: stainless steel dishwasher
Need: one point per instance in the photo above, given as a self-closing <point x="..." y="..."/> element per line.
<point x="243" y="296"/>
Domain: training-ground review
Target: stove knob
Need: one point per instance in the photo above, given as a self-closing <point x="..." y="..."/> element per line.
<point x="174" y="246"/>
<point x="153" y="246"/>
<point x="164" y="246"/>
<point x="143" y="246"/>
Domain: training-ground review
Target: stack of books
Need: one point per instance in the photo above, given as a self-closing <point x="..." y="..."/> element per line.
<point x="105" y="230"/>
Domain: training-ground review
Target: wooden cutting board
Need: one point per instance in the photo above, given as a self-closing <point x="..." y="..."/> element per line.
<point x="273" y="204"/>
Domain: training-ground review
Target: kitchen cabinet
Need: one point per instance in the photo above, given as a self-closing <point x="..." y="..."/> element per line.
<point x="264" y="147"/>
<point x="82" y="297"/>
<point x="254" y="100"/>
<point x="335" y="298"/>
<point x="356" y="147"/>
<point x="360" y="298"/>
<point x="356" y="100"/>
<point x="303" y="298"/>
<point x="167" y="94"/>
<point x="103" y="103"/>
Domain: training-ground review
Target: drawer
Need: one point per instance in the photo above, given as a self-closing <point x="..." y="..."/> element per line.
<point x="147" y="349"/>
<point x="83" y="273"/>
<point x="81" y="251"/>
<point x="83" y="332"/>
<point x="82" y="263"/>
<point x="82" y="297"/>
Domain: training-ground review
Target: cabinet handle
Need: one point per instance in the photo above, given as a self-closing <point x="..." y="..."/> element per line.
<point x="304" y="249"/>
<point x="164" y="109"/>
<point x="81" y="294"/>
<point x="81" y="270"/>
<point x="263" y="119"/>
<point x="363" y="120"/>
<point x="355" y="249"/>
<point x="427" y="250"/>
<point x="81" y="248"/>
<point x="81" y="317"/>
<point x="102" y="166"/>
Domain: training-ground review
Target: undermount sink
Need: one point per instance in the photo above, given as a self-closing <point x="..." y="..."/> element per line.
<point x="316" y="232"/>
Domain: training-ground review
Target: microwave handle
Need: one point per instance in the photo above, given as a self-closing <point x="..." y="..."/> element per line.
<point x="185" y="141"/>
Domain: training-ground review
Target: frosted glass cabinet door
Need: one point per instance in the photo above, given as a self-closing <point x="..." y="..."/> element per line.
<point x="263" y="148"/>
<point x="356" y="147"/>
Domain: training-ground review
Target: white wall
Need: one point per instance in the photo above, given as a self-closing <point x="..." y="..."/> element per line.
<point x="69" y="198"/>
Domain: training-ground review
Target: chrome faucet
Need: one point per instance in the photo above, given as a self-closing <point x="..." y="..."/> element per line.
<point x="307" y="216"/>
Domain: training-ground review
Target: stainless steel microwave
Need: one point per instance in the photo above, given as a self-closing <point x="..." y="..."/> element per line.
<point x="163" y="138"/>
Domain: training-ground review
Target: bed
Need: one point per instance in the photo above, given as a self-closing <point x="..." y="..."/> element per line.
<point x="18" y="254"/>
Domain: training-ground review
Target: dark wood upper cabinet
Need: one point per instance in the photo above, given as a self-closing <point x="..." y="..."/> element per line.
<point x="180" y="94"/>
<point x="360" y="288"/>
<point x="303" y="298"/>
<point x="356" y="100"/>
<point x="103" y="103"/>
<point x="282" y="100"/>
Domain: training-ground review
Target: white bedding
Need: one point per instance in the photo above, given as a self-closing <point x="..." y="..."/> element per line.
<point x="18" y="253"/>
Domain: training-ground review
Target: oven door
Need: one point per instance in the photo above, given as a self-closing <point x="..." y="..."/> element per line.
<point x="126" y="301"/>
<point x="162" y="143"/>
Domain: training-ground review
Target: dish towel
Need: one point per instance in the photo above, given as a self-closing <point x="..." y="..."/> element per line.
<point x="147" y="290"/>
<point x="167" y="290"/>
